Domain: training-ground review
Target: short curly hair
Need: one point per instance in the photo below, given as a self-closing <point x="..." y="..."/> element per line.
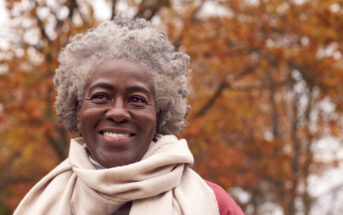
<point x="138" y="40"/>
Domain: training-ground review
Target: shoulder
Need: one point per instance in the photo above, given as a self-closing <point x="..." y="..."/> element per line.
<point x="226" y="205"/>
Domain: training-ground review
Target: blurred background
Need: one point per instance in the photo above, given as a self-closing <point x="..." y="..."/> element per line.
<point x="267" y="94"/>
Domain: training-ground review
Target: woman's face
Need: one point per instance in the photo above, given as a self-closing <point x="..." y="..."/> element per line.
<point x="117" y="119"/>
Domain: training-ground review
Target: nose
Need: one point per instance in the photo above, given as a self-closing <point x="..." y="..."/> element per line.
<point x="118" y="111"/>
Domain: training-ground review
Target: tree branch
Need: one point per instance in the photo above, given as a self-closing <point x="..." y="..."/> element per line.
<point x="114" y="4"/>
<point x="275" y="112"/>
<point x="192" y="18"/>
<point x="308" y="200"/>
<point x="295" y="165"/>
<point x="212" y="99"/>
<point x="59" y="146"/>
<point x="40" y="24"/>
<point x="72" y="6"/>
<point x="221" y="87"/>
<point x="148" y="8"/>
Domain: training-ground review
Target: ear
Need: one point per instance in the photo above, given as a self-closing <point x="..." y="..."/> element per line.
<point x="78" y="117"/>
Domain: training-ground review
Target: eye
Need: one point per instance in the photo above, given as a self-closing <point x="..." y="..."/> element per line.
<point x="137" y="101"/>
<point x="100" y="98"/>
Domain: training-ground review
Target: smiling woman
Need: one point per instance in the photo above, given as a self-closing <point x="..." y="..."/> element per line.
<point x="122" y="87"/>
<point x="118" y="121"/>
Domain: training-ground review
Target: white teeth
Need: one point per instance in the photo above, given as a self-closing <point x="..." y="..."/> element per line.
<point x="106" y="133"/>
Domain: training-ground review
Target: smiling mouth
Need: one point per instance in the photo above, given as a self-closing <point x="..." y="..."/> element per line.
<point x="116" y="135"/>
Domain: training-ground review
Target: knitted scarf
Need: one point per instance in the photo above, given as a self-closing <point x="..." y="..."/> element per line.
<point x="161" y="183"/>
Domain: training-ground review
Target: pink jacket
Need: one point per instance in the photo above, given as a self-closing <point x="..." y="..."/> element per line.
<point x="226" y="205"/>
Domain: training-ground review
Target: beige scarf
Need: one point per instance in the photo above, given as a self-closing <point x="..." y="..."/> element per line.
<point x="161" y="183"/>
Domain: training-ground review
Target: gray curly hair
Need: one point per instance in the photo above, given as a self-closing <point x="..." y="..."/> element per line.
<point x="125" y="38"/>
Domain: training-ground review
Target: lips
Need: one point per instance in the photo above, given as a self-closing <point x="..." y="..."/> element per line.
<point x="116" y="136"/>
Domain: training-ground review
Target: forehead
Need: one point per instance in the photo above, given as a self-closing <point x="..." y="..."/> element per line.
<point x="120" y="72"/>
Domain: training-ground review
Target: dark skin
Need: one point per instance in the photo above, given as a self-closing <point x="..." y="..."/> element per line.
<point x="124" y="210"/>
<point x="120" y="132"/>
<point x="117" y="117"/>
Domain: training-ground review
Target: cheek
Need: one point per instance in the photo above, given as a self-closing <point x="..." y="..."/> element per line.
<point x="146" y="122"/>
<point x="87" y="118"/>
<point x="151" y="123"/>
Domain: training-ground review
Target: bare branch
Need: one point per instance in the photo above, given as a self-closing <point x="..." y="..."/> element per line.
<point x="59" y="146"/>
<point x="221" y="87"/>
<point x="114" y="4"/>
<point x="192" y="18"/>
<point x="213" y="98"/>
<point x="41" y="24"/>
<point x="308" y="201"/>
<point x="275" y="112"/>
<point x="72" y="6"/>
<point x="295" y="162"/>
<point x="148" y="8"/>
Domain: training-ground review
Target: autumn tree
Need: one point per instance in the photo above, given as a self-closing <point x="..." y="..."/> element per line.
<point x="263" y="74"/>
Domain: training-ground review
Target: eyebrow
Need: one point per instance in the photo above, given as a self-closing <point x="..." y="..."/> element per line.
<point x="139" y="89"/>
<point x="130" y="89"/>
<point x="101" y="85"/>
